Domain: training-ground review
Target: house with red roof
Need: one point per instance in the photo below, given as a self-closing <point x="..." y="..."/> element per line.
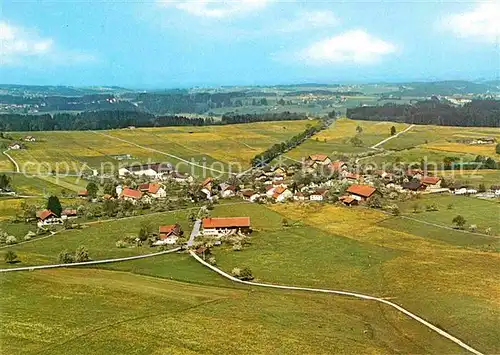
<point x="169" y="234"/>
<point x="431" y="182"/>
<point x="69" y="214"/>
<point x="153" y="190"/>
<point x="130" y="195"/>
<point x="279" y="193"/>
<point x="338" y="166"/>
<point x="250" y="195"/>
<point x="83" y="194"/>
<point x="47" y="217"/>
<point x="218" y="227"/>
<point x="362" y="192"/>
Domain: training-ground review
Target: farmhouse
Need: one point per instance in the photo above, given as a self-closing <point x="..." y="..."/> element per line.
<point x="47" y="217"/>
<point x="338" y="166"/>
<point x="484" y="140"/>
<point x="15" y="146"/>
<point x="226" y="190"/>
<point x="69" y="214"/>
<point x="155" y="170"/>
<point x="362" y="192"/>
<point x="348" y="200"/>
<point x="299" y="196"/>
<point x="154" y="190"/>
<point x="130" y="195"/>
<point x="414" y="185"/>
<point x="250" y="195"/>
<point x="281" y="193"/>
<point x="83" y="194"/>
<point x="182" y="178"/>
<point x="316" y="160"/>
<point x="169" y="234"/>
<point x="219" y="227"/>
<point x="29" y="139"/>
<point x="207" y="183"/>
<point x="431" y="182"/>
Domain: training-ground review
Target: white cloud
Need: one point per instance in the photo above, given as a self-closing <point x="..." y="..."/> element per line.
<point x="217" y="9"/>
<point x="481" y="23"/>
<point x="354" y="46"/>
<point x="310" y="20"/>
<point x="17" y="45"/>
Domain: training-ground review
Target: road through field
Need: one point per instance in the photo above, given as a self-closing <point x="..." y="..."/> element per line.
<point x="12" y="160"/>
<point x="89" y="263"/>
<point x="343" y="293"/>
<point x="163" y="153"/>
<point x="391" y="137"/>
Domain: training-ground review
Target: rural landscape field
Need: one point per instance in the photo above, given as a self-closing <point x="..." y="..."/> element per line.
<point x="249" y="177"/>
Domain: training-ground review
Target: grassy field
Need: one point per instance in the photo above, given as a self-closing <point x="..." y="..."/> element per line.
<point x="78" y="151"/>
<point x="336" y="138"/>
<point x="111" y="312"/>
<point x="483" y="213"/>
<point x="45" y="185"/>
<point x="364" y="250"/>
<point x="474" y="178"/>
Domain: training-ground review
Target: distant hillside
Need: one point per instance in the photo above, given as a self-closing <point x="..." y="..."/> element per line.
<point x="444" y="88"/>
<point x="48" y="90"/>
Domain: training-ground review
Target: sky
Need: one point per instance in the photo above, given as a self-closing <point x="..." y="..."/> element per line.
<point x="166" y="44"/>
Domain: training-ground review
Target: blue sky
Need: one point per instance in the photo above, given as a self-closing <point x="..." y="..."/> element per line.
<point x="156" y="44"/>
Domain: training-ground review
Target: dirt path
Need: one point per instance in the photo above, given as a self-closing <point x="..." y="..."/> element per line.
<point x="345" y="293"/>
<point x="12" y="161"/>
<point x="376" y="146"/>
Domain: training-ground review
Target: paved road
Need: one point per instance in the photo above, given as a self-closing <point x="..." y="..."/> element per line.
<point x="194" y="233"/>
<point x="88" y="263"/>
<point x="345" y="293"/>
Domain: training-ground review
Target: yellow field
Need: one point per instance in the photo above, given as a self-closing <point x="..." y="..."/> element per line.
<point x="345" y="128"/>
<point x="484" y="150"/>
<point x="82" y="150"/>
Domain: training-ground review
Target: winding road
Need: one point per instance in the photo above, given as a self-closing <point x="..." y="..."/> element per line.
<point x="344" y="293"/>
<point x="18" y="170"/>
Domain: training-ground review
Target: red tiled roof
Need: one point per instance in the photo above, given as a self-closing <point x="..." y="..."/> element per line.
<point x="352" y="176"/>
<point x="320" y="192"/>
<point x="318" y="157"/>
<point x="69" y="212"/>
<point x="43" y="215"/>
<point x="430" y="180"/>
<point x="361" y="190"/>
<point x="207" y="181"/>
<point x="279" y="190"/>
<point x="232" y="222"/>
<point x="83" y="193"/>
<point x="167" y="229"/>
<point x="337" y="165"/>
<point x="131" y="193"/>
<point x="248" y="193"/>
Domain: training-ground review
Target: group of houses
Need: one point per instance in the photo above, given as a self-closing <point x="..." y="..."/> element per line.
<point x="155" y="171"/>
<point x="20" y="145"/>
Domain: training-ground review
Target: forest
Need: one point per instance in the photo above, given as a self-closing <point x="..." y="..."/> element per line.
<point x="477" y="113"/>
<point x="99" y="120"/>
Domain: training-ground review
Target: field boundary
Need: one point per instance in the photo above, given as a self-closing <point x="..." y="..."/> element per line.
<point x="94" y="262"/>
<point x="376" y="146"/>
<point x="343" y="293"/>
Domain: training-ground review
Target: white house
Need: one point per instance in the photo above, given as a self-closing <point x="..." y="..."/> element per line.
<point x="153" y="190"/>
<point x="318" y="195"/>
<point x="155" y="170"/>
<point x="250" y="195"/>
<point x="281" y="193"/>
<point x="218" y="227"/>
<point x="47" y="217"/>
<point x="15" y="146"/>
<point x="227" y="191"/>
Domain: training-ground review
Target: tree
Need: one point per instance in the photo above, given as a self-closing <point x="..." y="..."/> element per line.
<point x="375" y="202"/>
<point x="65" y="257"/>
<point x="459" y="221"/>
<point x="92" y="189"/>
<point x="10" y="257"/>
<point x="497" y="148"/>
<point x="284" y="222"/>
<point x="356" y="141"/>
<point x="393" y="130"/>
<point x="81" y="254"/>
<point x="359" y="129"/>
<point x="481" y="188"/>
<point x="246" y="274"/>
<point x="145" y="231"/>
<point x="109" y="189"/>
<point x="54" y="205"/>
<point x="4" y="181"/>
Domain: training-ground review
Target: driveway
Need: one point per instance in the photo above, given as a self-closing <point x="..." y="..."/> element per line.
<point x="194" y="233"/>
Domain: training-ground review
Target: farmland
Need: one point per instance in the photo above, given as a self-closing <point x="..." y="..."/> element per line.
<point x="79" y="151"/>
<point x="121" y="312"/>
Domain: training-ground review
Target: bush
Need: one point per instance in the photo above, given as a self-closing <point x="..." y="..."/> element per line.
<point x="246" y="274"/>
<point x="10" y="240"/>
<point x="81" y="254"/>
<point x="29" y="235"/>
<point x="212" y="261"/>
<point x="237" y="247"/>
<point x="10" y="257"/>
<point x="236" y="272"/>
<point x="65" y="257"/>
<point x="121" y="244"/>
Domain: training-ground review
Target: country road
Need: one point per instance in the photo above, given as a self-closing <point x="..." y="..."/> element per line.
<point x="18" y="170"/>
<point x="89" y="263"/>
<point x="392" y="137"/>
<point x="344" y="293"/>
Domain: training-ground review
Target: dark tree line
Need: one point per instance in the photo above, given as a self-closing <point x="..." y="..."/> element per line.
<point x="477" y="113"/>
<point x="278" y="149"/>
<point x="98" y="120"/>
